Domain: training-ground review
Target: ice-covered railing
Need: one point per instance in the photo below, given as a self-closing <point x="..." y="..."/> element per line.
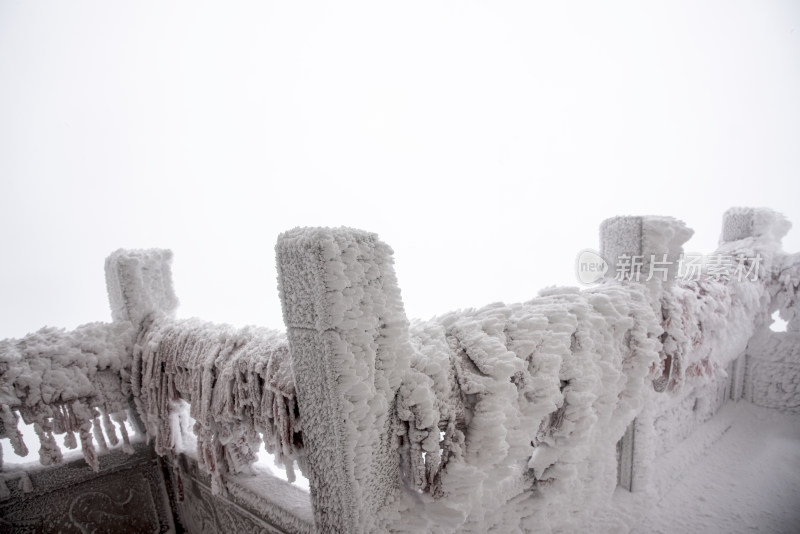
<point x="710" y="309"/>
<point x="238" y="383"/>
<point x="239" y="386"/>
<point x="509" y="417"/>
<point x="78" y="382"/>
<point x="497" y="413"/>
<point x="67" y="383"/>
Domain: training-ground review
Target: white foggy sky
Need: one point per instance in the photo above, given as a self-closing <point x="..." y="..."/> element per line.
<point x="484" y="141"/>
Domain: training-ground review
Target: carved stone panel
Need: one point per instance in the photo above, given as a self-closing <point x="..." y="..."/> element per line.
<point x="126" y="496"/>
<point x="276" y="508"/>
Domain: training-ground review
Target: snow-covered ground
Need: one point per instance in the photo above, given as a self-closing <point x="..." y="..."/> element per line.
<point x="747" y="481"/>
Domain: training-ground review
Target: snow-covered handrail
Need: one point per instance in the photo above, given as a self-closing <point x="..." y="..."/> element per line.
<point x="502" y="410"/>
<point x="710" y="310"/>
<point x="79" y="381"/>
<point x="474" y="420"/>
<point x="709" y="320"/>
<point x="239" y="386"/>
<point x="491" y="407"/>
<point x="66" y="383"/>
<point x="238" y="382"/>
<point x="348" y="338"/>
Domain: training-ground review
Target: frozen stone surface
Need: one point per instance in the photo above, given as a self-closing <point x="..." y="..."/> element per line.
<point x="505" y="418"/>
<point x="741" y="223"/>
<point x="348" y="337"/>
<point x="239" y="386"/>
<point x="139" y="282"/>
<point x="126" y="494"/>
<point x="773" y="365"/>
<point x="67" y="383"/>
<point x="651" y="240"/>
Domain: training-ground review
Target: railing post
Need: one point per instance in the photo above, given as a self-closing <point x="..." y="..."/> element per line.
<point x="647" y="250"/>
<point x="757" y="364"/>
<point x="763" y="223"/>
<point x="649" y="244"/>
<point x="139" y="282"/>
<point x="348" y="338"/>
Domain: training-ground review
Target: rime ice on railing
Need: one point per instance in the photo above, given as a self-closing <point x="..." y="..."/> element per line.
<point x="238" y="383"/>
<point x="348" y="337"/>
<point x="78" y="382"/>
<point x="67" y="383"/>
<point x="531" y="399"/>
<point x="506" y="418"/>
<point x="139" y="283"/>
<point x="521" y="392"/>
<point x="710" y="319"/>
<point x="508" y="410"/>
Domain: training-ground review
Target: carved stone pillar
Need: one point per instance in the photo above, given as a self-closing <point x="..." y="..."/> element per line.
<point x="651" y="246"/>
<point x="348" y="337"/>
<point x="139" y="282"/>
<point x="646" y="250"/>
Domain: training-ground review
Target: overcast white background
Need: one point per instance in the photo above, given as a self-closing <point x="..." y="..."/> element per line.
<point x="484" y="141"/>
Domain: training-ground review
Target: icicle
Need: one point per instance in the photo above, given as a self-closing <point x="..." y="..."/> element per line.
<point x="238" y="384"/>
<point x="25" y="483"/>
<point x="97" y="430"/>
<point x="58" y="420"/>
<point x="120" y="418"/>
<point x="10" y="421"/>
<point x="49" y="451"/>
<point x="110" y="430"/>
<point x="70" y="441"/>
<point x="288" y="464"/>
<point x="83" y="417"/>
<point x="61" y="425"/>
<point x="87" y="446"/>
<point x="126" y="444"/>
<point x="72" y="425"/>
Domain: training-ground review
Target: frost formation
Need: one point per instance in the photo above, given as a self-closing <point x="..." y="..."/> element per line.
<point x="509" y="418"/>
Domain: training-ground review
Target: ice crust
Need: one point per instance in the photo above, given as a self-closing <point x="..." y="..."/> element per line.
<point x="509" y="415"/>
<point x="348" y="337"/>
<point x="238" y="383"/>
<point x="650" y="237"/>
<point x="67" y="383"/>
<point x="532" y="399"/>
<point x="139" y="282"/>
<point x="505" y="418"/>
